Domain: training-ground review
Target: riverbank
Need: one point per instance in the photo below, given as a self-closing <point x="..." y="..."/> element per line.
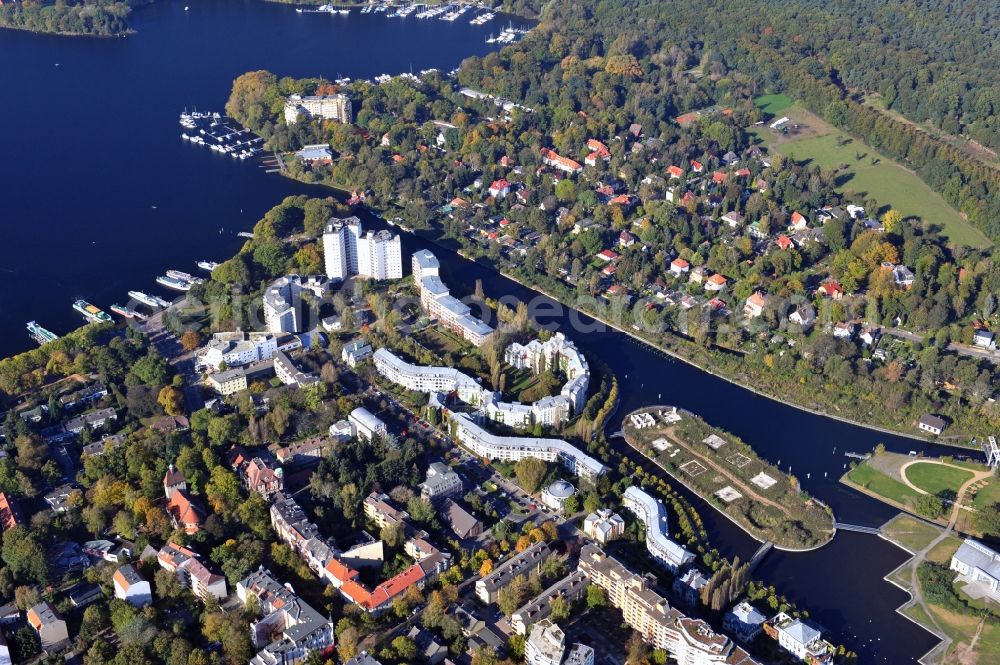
<point x="925" y="487"/>
<point x="90" y="18"/>
<point x="727" y="474"/>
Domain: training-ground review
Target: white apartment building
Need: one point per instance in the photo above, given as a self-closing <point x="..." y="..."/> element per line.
<point x="435" y="298"/>
<point x="511" y="449"/>
<point x="653" y="515"/>
<point x="380" y="256"/>
<point x="283" y="301"/>
<point x="340" y="247"/>
<point x="289" y="628"/>
<point x="328" y="107"/>
<point x="604" y="525"/>
<point x="556" y="353"/>
<point x="365" y="423"/>
<point x="547" y="646"/>
<point x="236" y="349"/>
<point x="441" y="482"/>
<point x="425" y="379"/>
<point x="347" y="251"/>
<point x="185" y="564"/>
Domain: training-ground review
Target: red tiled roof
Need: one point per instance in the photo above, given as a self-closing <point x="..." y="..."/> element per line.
<point x="675" y="171"/>
<point x="9" y="516"/>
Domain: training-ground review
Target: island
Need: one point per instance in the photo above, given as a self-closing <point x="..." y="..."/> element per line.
<point x="726" y="473"/>
<point x="95" y="18"/>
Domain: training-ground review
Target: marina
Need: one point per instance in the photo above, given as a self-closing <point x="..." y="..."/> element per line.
<point x="220" y="134"/>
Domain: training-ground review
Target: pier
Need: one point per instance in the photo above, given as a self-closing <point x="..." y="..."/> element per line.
<point x="860" y="456"/>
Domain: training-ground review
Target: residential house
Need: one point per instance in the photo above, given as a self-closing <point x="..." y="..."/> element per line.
<point x="429" y="650"/>
<point x="499" y="189"/>
<point x="831" y="289"/>
<point x="902" y="276"/>
<point x="798" y="222"/>
<point x="607" y="255"/>
<point x="697" y="275"/>
<point x="626" y="239"/>
<point x="932" y="424"/>
<point x="984" y="339"/>
<point x="755" y="305"/>
<point x="845" y="330"/>
<point x="675" y="172"/>
<point x="553" y="159"/>
<point x="871" y="335"/>
<point x="697" y="166"/>
<point x="51" y="629"/>
<point x="131" y="587"/>
<point x="784" y="242"/>
<point x="184" y="513"/>
<point x="10" y="515"/>
<point x="604" y="525"/>
<point x="733" y="219"/>
<point x="804" y="316"/>
<point x="259" y="477"/>
<point x="463" y="523"/>
<point x="61" y="497"/>
<point x="355" y="352"/>
<point x="716" y="283"/>
<point x="688" y="586"/>
<point x="744" y="621"/>
<point x="441" y="482"/>
<point x="679" y="267"/>
<point x="799" y="639"/>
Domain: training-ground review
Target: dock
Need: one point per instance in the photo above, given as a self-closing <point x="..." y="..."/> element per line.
<point x="860" y="456"/>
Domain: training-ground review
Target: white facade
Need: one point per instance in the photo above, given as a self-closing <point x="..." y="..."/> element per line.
<point x="347" y="251"/>
<point x="380" y="256"/>
<point x="979" y="563"/>
<point x="556" y="353"/>
<point x="435" y="298"/>
<point x="801" y="640"/>
<point x="653" y="515"/>
<point x="555" y="495"/>
<point x="328" y="107"/>
<point x="511" y="449"/>
<point x="546" y="645"/>
<point x="429" y="379"/>
<point x="340" y="247"/>
<point x="366" y="424"/>
<point x="131" y="588"/>
<point x="236" y="349"/>
<point x="283" y="302"/>
<point x="604" y="525"/>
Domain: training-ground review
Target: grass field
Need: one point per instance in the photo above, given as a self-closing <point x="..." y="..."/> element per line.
<point x="936" y="478"/>
<point x="942" y="552"/>
<point x="988" y="494"/>
<point x="881" y="484"/>
<point x="867" y="172"/>
<point x="910" y="532"/>
<point x="773" y="104"/>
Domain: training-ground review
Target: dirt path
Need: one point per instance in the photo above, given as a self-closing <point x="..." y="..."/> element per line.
<point x="725" y="472"/>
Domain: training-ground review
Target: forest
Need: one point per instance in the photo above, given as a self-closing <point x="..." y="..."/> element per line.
<point x="100" y="18"/>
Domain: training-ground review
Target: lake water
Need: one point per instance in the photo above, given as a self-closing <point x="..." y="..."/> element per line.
<point x="98" y="195"/>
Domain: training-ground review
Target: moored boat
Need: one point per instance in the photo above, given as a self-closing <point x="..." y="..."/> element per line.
<point x="92" y="313"/>
<point x="40" y="334"/>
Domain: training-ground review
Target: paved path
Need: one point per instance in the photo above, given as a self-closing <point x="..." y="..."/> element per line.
<point x="918" y="558"/>
<point x="976" y="476"/>
<point x="961" y="349"/>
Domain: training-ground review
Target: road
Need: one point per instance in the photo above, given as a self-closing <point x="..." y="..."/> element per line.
<point x="961" y="349"/>
<point x="169" y="346"/>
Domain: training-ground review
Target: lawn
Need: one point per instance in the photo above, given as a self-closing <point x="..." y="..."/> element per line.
<point x="936" y="478"/>
<point x="910" y="532"/>
<point x="870" y="173"/>
<point x="988" y="494"/>
<point x="942" y="552"/>
<point x="881" y="484"/>
<point x="773" y="104"/>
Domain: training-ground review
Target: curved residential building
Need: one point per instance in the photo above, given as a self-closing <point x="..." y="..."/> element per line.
<point x="653" y="515"/>
<point x="512" y="448"/>
<point x="557" y="354"/>
<point x="425" y="379"/>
